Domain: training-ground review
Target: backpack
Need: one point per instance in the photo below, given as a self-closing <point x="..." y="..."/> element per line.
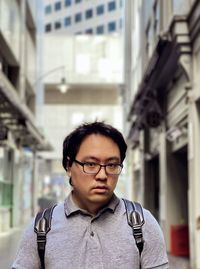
<point x="134" y="215"/>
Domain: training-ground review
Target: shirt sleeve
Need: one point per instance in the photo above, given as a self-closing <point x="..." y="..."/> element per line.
<point x="154" y="254"/>
<point x="27" y="255"/>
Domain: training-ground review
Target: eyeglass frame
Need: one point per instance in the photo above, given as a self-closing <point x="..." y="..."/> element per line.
<point x="100" y="166"/>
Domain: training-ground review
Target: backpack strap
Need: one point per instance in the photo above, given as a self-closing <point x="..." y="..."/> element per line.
<point x="135" y="219"/>
<point x="41" y="227"/>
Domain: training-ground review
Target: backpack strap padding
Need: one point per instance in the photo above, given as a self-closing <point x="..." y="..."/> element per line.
<point x="135" y="218"/>
<point x="42" y="227"/>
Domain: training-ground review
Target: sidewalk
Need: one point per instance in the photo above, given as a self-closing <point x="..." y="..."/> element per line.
<point x="9" y="242"/>
<point x="8" y="246"/>
<point x="178" y="262"/>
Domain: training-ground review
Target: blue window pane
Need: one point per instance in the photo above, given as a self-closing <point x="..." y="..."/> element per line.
<point x="111" y="27"/>
<point x="57" y="25"/>
<point x="77" y="1"/>
<point x="48" y="27"/>
<point x="100" y="29"/>
<point x="100" y="10"/>
<point x="57" y="6"/>
<point x="89" y="31"/>
<point x="68" y="3"/>
<point x="67" y="21"/>
<point x="78" y="17"/>
<point x="111" y="6"/>
<point x="88" y="13"/>
<point x="48" y="9"/>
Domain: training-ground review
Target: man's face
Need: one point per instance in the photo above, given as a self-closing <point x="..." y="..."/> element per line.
<point x="90" y="190"/>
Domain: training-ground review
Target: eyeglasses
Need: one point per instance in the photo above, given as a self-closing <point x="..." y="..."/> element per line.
<point x="94" y="168"/>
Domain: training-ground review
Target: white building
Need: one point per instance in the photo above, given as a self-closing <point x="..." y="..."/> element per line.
<point x="83" y="16"/>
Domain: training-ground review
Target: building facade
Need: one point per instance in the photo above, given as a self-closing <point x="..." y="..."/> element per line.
<point x="83" y="16"/>
<point x="20" y="138"/>
<point x="162" y="113"/>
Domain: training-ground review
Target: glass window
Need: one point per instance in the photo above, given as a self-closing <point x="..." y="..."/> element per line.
<point x="68" y="3"/>
<point x="77" y="1"/>
<point x="100" y="29"/>
<point x="89" y="31"/>
<point x="88" y="13"/>
<point x="48" y="27"/>
<point x="67" y="21"/>
<point x="111" y="6"/>
<point x="112" y="26"/>
<point x="57" y="25"/>
<point x="48" y="9"/>
<point x="100" y="10"/>
<point x="57" y="6"/>
<point x="78" y="17"/>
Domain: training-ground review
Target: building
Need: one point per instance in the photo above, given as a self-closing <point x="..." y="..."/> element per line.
<point x="162" y="111"/>
<point x="83" y="16"/>
<point x="20" y="137"/>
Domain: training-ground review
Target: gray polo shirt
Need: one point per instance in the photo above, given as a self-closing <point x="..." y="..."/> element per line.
<point x="78" y="240"/>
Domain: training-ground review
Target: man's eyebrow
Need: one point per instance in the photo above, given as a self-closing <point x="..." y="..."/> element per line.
<point x="113" y="158"/>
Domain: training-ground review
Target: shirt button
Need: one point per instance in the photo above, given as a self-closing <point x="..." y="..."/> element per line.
<point x="92" y="233"/>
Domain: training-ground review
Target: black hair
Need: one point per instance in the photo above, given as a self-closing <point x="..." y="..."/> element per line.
<point x="73" y="141"/>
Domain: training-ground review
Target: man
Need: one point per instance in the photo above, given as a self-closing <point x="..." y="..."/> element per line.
<point x="89" y="229"/>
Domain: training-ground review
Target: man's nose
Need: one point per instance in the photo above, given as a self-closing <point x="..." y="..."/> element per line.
<point x="102" y="173"/>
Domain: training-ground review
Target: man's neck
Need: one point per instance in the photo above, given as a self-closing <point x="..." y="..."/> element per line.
<point x="92" y="207"/>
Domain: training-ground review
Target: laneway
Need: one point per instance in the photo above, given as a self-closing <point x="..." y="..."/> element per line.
<point x="9" y="242"/>
<point x="8" y="246"/>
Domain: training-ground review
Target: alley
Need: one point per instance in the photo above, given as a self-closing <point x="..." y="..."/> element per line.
<point x="9" y="243"/>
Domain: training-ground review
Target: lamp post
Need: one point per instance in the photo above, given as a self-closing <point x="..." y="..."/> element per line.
<point x="63" y="86"/>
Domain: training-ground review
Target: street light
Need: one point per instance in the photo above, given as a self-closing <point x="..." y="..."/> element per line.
<point x="63" y="85"/>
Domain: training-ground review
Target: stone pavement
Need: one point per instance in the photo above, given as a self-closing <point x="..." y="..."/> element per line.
<point x="178" y="262"/>
<point x="8" y="246"/>
<point x="9" y="242"/>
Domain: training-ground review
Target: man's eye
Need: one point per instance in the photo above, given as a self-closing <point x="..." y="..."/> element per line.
<point x="112" y="165"/>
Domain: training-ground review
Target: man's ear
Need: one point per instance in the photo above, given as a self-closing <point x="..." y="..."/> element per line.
<point x="68" y="167"/>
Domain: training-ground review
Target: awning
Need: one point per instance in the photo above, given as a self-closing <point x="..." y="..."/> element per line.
<point x="169" y="55"/>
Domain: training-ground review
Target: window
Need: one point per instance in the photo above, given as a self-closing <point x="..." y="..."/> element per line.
<point x="100" y="10"/>
<point x="111" y="26"/>
<point x="57" y="25"/>
<point x="89" y="31"/>
<point x="48" y="9"/>
<point x="48" y="27"/>
<point x="100" y="29"/>
<point x="68" y="3"/>
<point x="88" y="13"/>
<point x="111" y="6"/>
<point x="78" y="17"/>
<point x="57" y="6"/>
<point x="77" y="1"/>
<point x="67" y="21"/>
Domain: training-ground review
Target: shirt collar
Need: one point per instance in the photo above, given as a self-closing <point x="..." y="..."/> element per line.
<point x="71" y="208"/>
